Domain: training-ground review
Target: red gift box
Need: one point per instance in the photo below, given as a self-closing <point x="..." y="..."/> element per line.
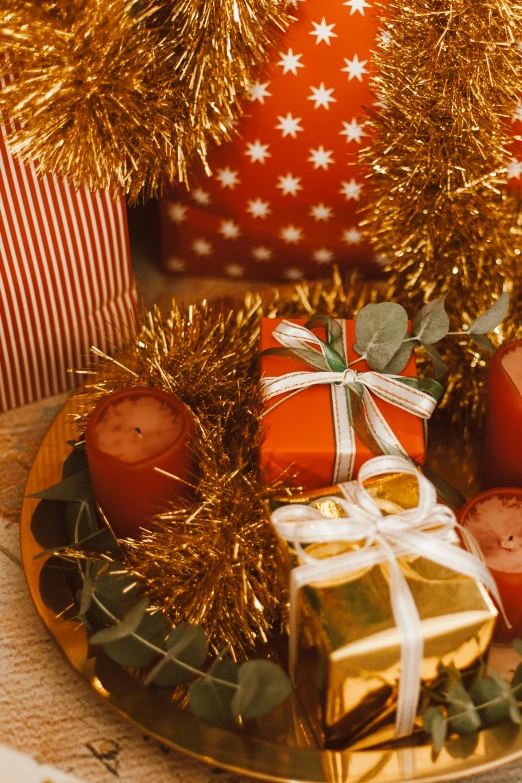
<point x="283" y="199"/>
<point x="300" y="436"/>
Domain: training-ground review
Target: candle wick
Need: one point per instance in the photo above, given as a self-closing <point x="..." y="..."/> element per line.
<point x="137" y="429"/>
<point x="507" y="542"/>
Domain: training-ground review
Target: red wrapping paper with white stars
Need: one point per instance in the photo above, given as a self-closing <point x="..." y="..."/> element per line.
<point x="284" y="199"/>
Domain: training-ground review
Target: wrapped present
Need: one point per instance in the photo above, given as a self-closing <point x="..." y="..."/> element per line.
<point x="382" y="596"/>
<point x="325" y="418"/>
<point x="282" y="202"/>
<point x="65" y="278"/>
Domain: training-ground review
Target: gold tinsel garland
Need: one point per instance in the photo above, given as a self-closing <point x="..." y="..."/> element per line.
<point x="216" y="560"/>
<point x="127" y="93"/>
<point x="448" y="76"/>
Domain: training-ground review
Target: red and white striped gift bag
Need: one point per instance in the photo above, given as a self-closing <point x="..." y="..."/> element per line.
<point x="65" y="280"/>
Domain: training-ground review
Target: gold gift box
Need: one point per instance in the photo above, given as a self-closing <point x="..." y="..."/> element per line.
<point x="349" y="656"/>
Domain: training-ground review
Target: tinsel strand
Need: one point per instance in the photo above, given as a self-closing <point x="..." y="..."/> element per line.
<point x="126" y="95"/>
<point x="448" y="75"/>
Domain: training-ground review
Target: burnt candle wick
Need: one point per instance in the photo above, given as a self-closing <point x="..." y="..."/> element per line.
<point x="137" y="429"/>
<point x="507" y="542"/>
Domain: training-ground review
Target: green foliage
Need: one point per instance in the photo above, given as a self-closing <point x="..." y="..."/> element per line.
<point x="262" y="686"/>
<point x="210" y="698"/>
<point x="382" y="338"/>
<point x="379" y="332"/>
<point x="451" y="709"/>
<point x="119" y="618"/>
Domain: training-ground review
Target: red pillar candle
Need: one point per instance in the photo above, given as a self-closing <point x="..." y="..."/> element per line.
<point x="502" y="458"/>
<point x="494" y="518"/>
<point x="129" y="434"/>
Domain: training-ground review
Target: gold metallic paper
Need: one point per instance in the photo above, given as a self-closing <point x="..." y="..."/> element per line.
<point x="349" y="657"/>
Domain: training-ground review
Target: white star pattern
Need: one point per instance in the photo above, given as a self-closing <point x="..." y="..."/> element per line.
<point x="290" y="62"/>
<point x="291" y="234"/>
<point x="228" y="178"/>
<point x="353" y="131"/>
<point x="321" y="96"/>
<point x="321" y="212"/>
<point x="235" y="270"/>
<point x="352" y="236"/>
<point x="351" y="190"/>
<point x="262" y="253"/>
<point x="257" y="152"/>
<point x="354" y="68"/>
<point x="201" y="197"/>
<point x="258" y="208"/>
<point x="517" y="116"/>
<point x="321" y="158"/>
<point x="323" y="255"/>
<point x="514" y="169"/>
<point x="258" y="92"/>
<point x="175" y="264"/>
<point x="202" y="247"/>
<point x="289" y="125"/>
<point x="289" y="185"/>
<point x="323" y="31"/>
<point x="229" y="229"/>
<point x="357" y="5"/>
<point x="177" y="211"/>
<point x="284" y="197"/>
<point x="292" y="273"/>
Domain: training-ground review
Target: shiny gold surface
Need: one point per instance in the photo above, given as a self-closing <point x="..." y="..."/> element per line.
<point x="279" y="748"/>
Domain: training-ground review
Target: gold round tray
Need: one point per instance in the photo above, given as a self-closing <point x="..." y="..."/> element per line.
<point x="279" y="748"/>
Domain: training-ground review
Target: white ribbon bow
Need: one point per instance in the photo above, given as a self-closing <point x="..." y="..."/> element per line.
<point x="428" y="530"/>
<point x="387" y="387"/>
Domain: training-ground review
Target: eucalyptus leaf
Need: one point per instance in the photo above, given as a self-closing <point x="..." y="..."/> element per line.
<point x="431" y="323"/>
<point x="212" y="701"/>
<point x="136" y="652"/>
<point x="128" y="625"/>
<point x="483" y="342"/>
<point x="516" y="680"/>
<point x="439" y="367"/>
<point x="463" y="747"/>
<point x="491" y="317"/>
<point x="86" y="593"/>
<point x="74" y="463"/>
<point x="400" y="358"/>
<point x="494" y="696"/>
<point x="114" y="587"/>
<point x="379" y="331"/>
<point x="462" y="713"/>
<point x="186" y="643"/>
<point x="517" y="645"/>
<point x="77" y="487"/>
<point x="428" y="385"/>
<point x="262" y="686"/>
<point x="435" y="724"/>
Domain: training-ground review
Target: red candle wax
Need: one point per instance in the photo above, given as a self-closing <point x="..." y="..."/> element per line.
<point x="494" y="518"/>
<point x="502" y="457"/>
<point x="129" y="434"/>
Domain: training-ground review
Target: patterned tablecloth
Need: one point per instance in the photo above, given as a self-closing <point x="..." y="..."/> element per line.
<point x="46" y="710"/>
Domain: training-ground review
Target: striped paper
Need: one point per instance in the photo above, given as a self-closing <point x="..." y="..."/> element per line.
<point x="65" y="280"/>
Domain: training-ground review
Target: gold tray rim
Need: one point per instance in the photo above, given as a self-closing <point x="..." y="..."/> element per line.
<point x="247" y="755"/>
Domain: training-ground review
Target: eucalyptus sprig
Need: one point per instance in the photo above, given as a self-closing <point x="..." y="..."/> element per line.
<point x="490" y="700"/>
<point x="119" y="619"/>
<point x="382" y="337"/>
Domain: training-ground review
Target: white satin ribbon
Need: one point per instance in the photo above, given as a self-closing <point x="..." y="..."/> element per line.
<point x="428" y="530"/>
<point x="386" y="387"/>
